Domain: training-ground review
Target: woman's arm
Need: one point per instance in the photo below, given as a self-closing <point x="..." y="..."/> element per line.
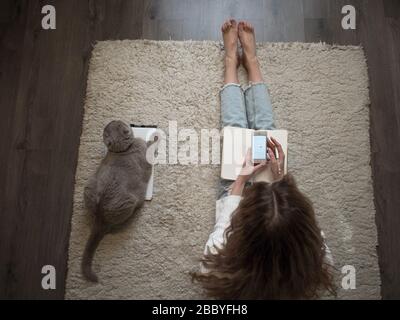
<point x="247" y="172"/>
<point x="224" y="209"/>
<point x="238" y="186"/>
<point x="227" y="205"/>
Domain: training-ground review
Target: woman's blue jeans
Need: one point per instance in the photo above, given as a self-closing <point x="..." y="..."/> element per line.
<point x="245" y="108"/>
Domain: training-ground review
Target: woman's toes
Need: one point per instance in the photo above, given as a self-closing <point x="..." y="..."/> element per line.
<point x="247" y="26"/>
<point x="228" y="24"/>
<point x="224" y="26"/>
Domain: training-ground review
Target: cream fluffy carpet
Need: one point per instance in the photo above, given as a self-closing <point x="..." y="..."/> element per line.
<point x="319" y="93"/>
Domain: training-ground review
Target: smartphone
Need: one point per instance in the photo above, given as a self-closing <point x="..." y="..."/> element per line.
<point x="259" y="147"/>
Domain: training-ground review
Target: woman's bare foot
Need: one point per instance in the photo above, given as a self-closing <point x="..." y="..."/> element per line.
<point x="248" y="40"/>
<point x="230" y="36"/>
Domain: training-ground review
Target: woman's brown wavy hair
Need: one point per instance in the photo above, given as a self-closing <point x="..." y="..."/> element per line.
<point x="274" y="248"/>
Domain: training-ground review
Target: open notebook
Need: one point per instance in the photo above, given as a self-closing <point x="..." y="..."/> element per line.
<point x="236" y="142"/>
<point x="146" y="133"/>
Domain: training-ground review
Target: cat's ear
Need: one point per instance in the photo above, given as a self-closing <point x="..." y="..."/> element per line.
<point x="125" y="129"/>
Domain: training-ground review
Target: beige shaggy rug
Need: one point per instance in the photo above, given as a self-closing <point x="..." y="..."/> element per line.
<point x="319" y="93"/>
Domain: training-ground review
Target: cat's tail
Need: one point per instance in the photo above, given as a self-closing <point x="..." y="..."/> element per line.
<point x="95" y="237"/>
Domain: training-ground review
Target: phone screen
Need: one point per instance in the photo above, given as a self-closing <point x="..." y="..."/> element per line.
<point x="259" y="148"/>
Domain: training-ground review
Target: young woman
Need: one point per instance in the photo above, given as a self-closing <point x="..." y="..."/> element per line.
<point x="266" y="243"/>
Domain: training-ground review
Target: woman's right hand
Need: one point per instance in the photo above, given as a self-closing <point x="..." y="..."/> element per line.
<point x="277" y="165"/>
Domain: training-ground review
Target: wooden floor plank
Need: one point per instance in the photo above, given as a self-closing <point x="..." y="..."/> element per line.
<point x="12" y="33"/>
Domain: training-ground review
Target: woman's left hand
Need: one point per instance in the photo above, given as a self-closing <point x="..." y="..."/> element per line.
<point x="277" y="164"/>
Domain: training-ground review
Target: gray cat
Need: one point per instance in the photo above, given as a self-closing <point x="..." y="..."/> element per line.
<point x="117" y="189"/>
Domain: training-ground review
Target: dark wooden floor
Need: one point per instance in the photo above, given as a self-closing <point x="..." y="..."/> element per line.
<point x="42" y="87"/>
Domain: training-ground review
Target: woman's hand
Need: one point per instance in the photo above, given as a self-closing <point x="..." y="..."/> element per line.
<point x="249" y="169"/>
<point x="277" y="165"/>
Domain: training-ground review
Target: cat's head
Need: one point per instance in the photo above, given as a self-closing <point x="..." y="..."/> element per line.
<point x="117" y="136"/>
